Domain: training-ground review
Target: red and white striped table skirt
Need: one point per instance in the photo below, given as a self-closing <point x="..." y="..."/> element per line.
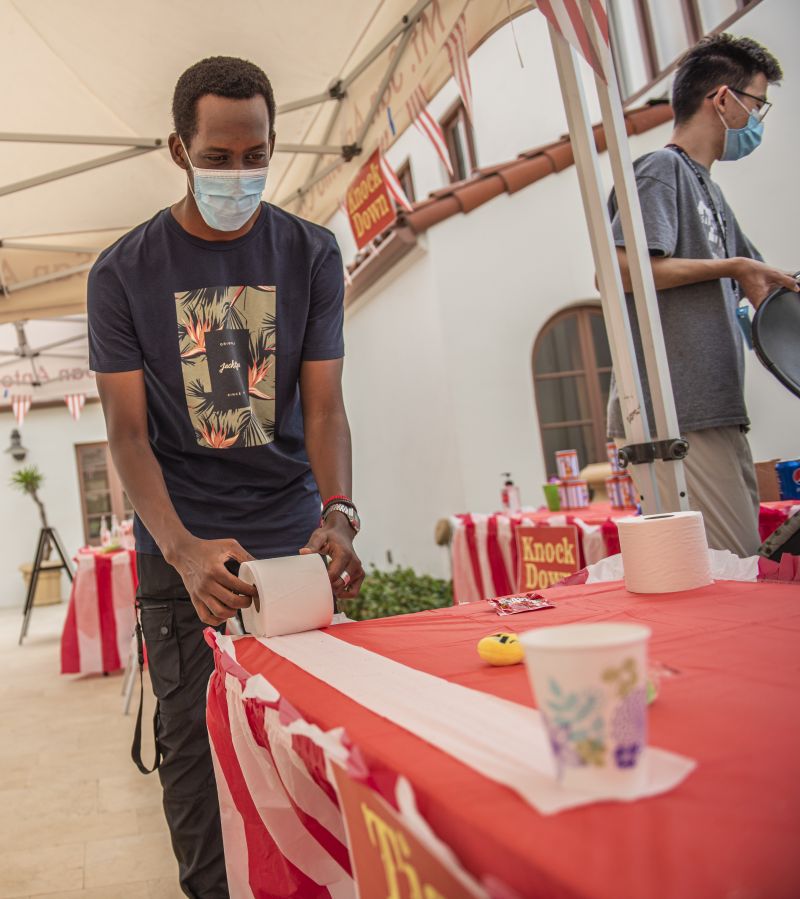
<point x="102" y="613"/>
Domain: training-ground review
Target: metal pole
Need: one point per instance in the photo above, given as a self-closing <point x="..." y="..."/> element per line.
<point x="73" y="170"/>
<point x="46" y="279"/>
<point x="405" y="28"/>
<point x="301" y="191"/>
<point x="151" y="143"/>
<point x="387" y="77"/>
<point x="45" y="247"/>
<point x="648" y="317"/>
<point x="406" y="24"/>
<point x="320" y="149"/>
<point x="615" y="310"/>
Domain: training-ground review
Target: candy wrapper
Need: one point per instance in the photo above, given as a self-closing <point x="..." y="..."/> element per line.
<point x="523" y="602"/>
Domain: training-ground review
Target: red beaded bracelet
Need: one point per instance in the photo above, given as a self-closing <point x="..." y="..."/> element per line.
<point x="337" y="498"/>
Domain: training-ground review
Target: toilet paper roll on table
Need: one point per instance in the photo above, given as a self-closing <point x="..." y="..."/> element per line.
<point x="664" y="553"/>
<point x="294" y="595"/>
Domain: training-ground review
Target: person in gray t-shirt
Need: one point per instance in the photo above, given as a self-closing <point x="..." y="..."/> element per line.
<point x="702" y="266"/>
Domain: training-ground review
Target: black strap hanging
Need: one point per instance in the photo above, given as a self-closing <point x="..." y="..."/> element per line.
<point x="718" y="219"/>
<point x="136" y="748"/>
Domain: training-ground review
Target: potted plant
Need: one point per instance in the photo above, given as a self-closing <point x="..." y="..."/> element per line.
<point x="48" y="589"/>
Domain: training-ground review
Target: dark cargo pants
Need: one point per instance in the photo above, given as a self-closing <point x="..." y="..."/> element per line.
<point x="180" y="663"/>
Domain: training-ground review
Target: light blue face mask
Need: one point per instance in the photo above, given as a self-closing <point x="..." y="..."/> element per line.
<point x="740" y="142"/>
<point x="227" y="198"/>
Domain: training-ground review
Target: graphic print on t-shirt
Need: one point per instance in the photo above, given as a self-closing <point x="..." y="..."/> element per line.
<point x="712" y="231"/>
<point x="227" y="338"/>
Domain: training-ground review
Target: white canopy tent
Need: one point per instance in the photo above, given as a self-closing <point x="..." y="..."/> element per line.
<point x="82" y="150"/>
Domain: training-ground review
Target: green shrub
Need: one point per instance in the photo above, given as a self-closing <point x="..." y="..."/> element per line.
<point x="398" y="592"/>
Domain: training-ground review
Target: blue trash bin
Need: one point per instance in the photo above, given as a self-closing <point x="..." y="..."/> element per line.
<point x="789" y="478"/>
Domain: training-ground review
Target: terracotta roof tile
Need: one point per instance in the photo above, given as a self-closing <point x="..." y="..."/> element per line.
<point x="527" y="168"/>
<point x="508" y="177"/>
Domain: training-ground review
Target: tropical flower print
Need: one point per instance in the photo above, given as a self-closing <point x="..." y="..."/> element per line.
<point x="227" y="339"/>
<point x="195" y="334"/>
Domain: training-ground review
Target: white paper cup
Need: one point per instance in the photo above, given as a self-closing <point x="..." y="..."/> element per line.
<point x="590" y="683"/>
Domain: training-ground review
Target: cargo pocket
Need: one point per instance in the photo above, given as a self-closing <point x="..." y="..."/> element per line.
<point x="163" y="651"/>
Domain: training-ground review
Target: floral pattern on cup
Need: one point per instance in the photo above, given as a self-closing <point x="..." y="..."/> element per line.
<point x="576" y="727"/>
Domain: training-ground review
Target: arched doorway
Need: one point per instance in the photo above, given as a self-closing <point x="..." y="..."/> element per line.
<point x="571" y="375"/>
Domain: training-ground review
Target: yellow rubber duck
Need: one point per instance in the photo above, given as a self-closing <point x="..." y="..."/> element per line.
<point x="501" y="649"/>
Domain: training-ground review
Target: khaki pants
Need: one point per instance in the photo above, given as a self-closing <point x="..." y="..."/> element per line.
<point x="722" y="485"/>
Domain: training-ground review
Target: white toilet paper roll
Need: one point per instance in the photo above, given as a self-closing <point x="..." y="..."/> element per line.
<point x="664" y="553"/>
<point x="294" y="595"/>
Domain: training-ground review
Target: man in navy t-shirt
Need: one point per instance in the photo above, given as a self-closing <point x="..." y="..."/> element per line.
<point x="215" y="330"/>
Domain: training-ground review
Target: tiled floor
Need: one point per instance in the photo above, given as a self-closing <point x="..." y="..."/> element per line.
<point x="77" y="820"/>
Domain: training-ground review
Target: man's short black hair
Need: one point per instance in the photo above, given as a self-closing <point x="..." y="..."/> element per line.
<point x="717" y="60"/>
<point x="224" y="76"/>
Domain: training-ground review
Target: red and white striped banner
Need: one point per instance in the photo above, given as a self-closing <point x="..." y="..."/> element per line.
<point x="567" y="18"/>
<point x="427" y="125"/>
<point x="393" y="184"/>
<point x="75" y="403"/>
<point x="20" y="405"/>
<point x="456" y="46"/>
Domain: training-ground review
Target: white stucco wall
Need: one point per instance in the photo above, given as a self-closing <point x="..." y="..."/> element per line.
<point x="50" y="436"/>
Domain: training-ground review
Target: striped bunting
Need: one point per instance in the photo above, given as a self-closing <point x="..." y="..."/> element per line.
<point x="427" y="125"/>
<point x="456" y="46"/>
<point x="20" y="406"/>
<point x="567" y="18"/>
<point x="393" y="185"/>
<point x="75" y="403"/>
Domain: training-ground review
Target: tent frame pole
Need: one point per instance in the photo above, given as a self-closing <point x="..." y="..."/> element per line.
<point x="87" y="166"/>
<point x="406" y="29"/>
<point x="615" y="313"/>
<point x="6" y="288"/>
<point x="338" y="90"/>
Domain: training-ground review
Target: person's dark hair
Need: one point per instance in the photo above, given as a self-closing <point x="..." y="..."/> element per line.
<point x="224" y="76"/>
<point x="717" y="60"/>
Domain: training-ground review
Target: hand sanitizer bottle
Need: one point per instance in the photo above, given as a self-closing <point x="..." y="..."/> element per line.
<point x="509" y="495"/>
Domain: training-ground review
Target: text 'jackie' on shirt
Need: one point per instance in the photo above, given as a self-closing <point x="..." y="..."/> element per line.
<point x="701" y="334"/>
<point x="220" y="329"/>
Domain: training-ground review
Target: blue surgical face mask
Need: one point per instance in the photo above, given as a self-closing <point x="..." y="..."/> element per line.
<point x="740" y="142"/>
<point x="227" y="198"/>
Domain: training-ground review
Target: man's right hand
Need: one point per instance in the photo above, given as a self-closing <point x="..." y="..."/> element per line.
<point x="757" y="280"/>
<point x="215" y="593"/>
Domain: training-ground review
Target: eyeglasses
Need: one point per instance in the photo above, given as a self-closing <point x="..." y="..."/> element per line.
<point x="760" y="112"/>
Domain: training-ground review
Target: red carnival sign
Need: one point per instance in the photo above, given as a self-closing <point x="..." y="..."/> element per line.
<point x="369" y="206"/>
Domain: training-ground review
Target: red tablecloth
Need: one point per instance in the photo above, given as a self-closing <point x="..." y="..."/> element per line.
<point x="731" y="829"/>
<point x="101" y="616"/>
<point x="772" y="515"/>
<point x="484" y="551"/>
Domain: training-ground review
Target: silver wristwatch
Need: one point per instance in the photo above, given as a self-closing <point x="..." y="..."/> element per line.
<point x="347" y="510"/>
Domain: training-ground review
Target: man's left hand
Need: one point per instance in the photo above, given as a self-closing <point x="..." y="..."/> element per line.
<point x="334" y="538"/>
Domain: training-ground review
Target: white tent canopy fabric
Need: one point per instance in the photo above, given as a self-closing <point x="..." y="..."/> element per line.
<point x="107" y="68"/>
